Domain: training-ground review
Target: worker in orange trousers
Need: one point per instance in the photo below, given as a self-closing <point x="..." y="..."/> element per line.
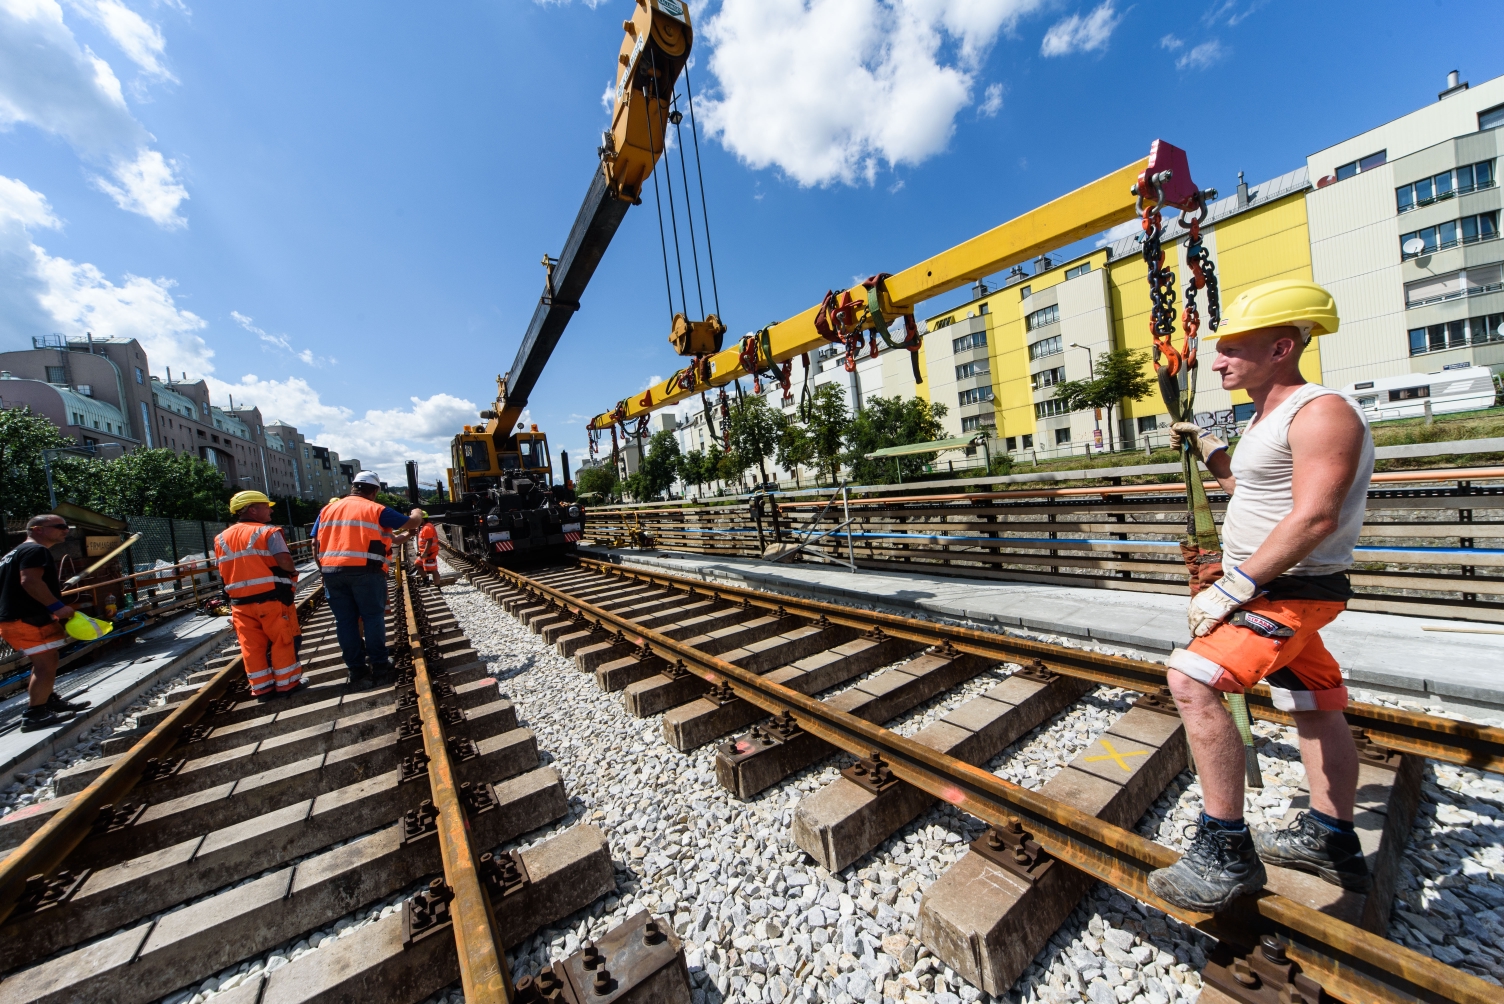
<point x="259" y="573"/>
<point x="428" y="550"/>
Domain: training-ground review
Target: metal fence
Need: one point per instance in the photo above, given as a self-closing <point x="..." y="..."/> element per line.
<point x="173" y="540"/>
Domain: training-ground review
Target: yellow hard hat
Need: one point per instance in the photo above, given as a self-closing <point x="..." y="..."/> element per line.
<point x="333" y="498"/>
<point x="243" y="499"/>
<point x="424" y="512"/>
<point x="86" y="628"/>
<point x="1281" y="302"/>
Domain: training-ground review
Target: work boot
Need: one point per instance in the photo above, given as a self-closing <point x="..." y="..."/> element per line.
<point x="1308" y="845"/>
<point x="1220" y="866"/>
<point x="264" y="696"/>
<point x="361" y="680"/>
<point x="56" y="703"/>
<point x="384" y="675"/>
<point x="43" y="717"/>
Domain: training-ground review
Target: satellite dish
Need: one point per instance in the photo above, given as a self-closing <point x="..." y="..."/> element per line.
<point x="1414" y="246"/>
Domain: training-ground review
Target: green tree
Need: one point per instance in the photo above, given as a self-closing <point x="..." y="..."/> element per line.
<point x="156" y="483"/>
<point x="730" y="466"/>
<point x="692" y="468"/>
<point x="892" y="421"/>
<point x="23" y="482"/>
<point x="754" y="431"/>
<point x="1119" y="374"/>
<point x="658" y="469"/>
<point x="795" y="445"/>
<point x="827" y="421"/>
<point x="397" y="502"/>
<point x="600" y="480"/>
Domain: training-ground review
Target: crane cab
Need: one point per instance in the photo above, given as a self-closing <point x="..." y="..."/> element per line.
<point x="482" y="460"/>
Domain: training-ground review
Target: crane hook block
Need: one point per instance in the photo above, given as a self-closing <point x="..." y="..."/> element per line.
<point x="696" y="338"/>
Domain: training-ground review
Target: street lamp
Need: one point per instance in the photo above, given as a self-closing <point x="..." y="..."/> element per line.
<point x="1091" y="374"/>
<point x="87" y="451"/>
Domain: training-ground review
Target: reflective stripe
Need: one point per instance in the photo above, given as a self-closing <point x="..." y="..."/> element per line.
<point x="362" y="555"/>
<point x="353" y="522"/>
<point x="246" y="584"/>
<point x="1198" y="667"/>
<point x="45" y="648"/>
<point x="258" y="676"/>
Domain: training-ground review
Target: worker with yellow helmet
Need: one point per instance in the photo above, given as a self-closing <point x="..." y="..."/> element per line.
<point x="428" y="549"/>
<point x="259" y="573"/>
<point x="1298" y="484"/>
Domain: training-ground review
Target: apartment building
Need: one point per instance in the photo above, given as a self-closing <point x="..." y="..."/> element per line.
<point x="1405" y="233"/>
<point x="316" y="471"/>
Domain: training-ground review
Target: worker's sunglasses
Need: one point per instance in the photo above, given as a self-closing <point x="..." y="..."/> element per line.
<point x="53" y="526"/>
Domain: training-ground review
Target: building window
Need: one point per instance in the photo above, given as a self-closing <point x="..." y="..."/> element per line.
<point x="1024" y="291"/>
<point x="1050" y="408"/>
<point x="57" y="374"/>
<point x="977" y="368"/>
<point x="1368" y="163"/>
<point x="1462" y="180"/>
<point x="975" y="422"/>
<point x="1457" y="334"/>
<point x="1454" y="285"/>
<point x="1010" y="444"/>
<point x="1148" y="423"/>
<point x="944" y="322"/>
<point x="1468" y="230"/>
<point x="1410" y="393"/>
<point x="1080" y="269"/>
<point x="976" y="395"/>
<point x="984" y="308"/>
<point x="1047" y="378"/>
<point x="1047" y="347"/>
<point x="1028" y="442"/>
<point x="1491" y="118"/>
<point x="972" y="341"/>
<point x="1042" y="316"/>
<point x="1062" y="436"/>
<point x="140" y="377"/>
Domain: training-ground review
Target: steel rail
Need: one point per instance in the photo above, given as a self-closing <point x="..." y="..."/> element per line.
<point x="1445" y="739"/>
<point x="1352" y="964"/>
<point x="46" y="849"/>
<point x="482" y="956"/>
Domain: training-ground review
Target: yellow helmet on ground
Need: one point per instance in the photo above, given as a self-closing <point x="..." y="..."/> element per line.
<point x="86" y="628"/>
<point x="1280" y="303"/>
<point x="243" y="499"/>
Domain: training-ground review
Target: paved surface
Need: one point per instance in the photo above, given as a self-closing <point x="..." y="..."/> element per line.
<point x="110" y="683"/>
<point x="1383" y="652"/>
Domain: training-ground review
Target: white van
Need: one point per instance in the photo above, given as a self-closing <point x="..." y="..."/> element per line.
<point x="1458" y="387"/>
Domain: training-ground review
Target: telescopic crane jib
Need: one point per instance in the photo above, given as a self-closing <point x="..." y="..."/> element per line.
<point x="858" y="317"/>
<point x="498" y="467"/>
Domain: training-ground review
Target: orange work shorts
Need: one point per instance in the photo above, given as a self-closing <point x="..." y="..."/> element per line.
<point x="1274" y="642"/>
<point x="29" y="639"/>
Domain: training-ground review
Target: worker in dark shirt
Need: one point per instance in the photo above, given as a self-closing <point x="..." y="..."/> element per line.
<point x="32" y="614"/>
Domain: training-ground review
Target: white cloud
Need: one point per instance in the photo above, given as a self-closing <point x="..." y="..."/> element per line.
<point x="1233" y="12"/>
<point x="1114" y="234"/>
<point x="51" y="82"/>
<point x="41" y="293"/>
<point x="992" y="101"/>
<point x="280" y="342"/>
<point x="382" y="440"/>
<point x="1170" y="42"/>
<point x="1082" y="33"/>
<point x="1202" y="56"/>
<point x="141" y="41"/>
<point x="149" y="186"/>
<point x="887" y="94"/>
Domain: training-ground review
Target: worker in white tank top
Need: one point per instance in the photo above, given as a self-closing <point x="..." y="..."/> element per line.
<point x="1298" y="483"/>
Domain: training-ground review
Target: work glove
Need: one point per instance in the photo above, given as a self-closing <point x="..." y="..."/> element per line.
<point x="1203" y="441"/>
<point x="1216" y="603"/>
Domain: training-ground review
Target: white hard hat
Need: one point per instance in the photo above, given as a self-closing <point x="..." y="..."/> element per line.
<point x="367" y="478"/>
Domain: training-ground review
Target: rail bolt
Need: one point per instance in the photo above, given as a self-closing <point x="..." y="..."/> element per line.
<point x="1273" y="950"/>
<point x="593" y="956"/>
<point x="652" y="934"/>
<point x="603" y="982"/>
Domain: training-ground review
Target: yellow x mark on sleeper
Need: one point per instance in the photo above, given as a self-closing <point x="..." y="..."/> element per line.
<point x="1113" y="754"/>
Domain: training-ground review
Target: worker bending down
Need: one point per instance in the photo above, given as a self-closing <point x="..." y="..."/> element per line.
<point x="1299" y="484"/>
<point x="355" y="536"/>
<point x="428" y="549"/>
<point x="259" y="574"/>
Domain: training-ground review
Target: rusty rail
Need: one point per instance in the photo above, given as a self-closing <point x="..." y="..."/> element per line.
<point x="1350" y="963"/>
<point x="483" y="960"/>
<point x="46" y="849"/>
<point x="1444" y="739"/>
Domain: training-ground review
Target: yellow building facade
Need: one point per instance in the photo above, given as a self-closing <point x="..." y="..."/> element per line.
<point x="1044" y="328"/>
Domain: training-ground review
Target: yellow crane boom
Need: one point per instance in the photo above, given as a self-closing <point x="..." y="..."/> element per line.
<point x="1088" y="210"/>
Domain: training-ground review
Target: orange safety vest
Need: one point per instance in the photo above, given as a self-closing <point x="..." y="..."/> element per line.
<point x="428" y="541"/>
<point x="246" y="564"/>
<point x="351" y="535"/>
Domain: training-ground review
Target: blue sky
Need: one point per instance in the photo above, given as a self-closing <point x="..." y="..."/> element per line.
<point x="336" y="211"/>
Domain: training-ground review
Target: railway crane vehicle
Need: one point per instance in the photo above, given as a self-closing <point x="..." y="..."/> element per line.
<point x="506" y="503"/>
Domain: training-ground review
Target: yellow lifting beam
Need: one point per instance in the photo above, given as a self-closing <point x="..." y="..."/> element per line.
<point x="1088" y="210"/>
